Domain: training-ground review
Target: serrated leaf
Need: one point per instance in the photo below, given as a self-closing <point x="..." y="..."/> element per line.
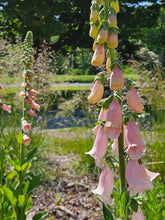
<point x="40" y="215"/>
<point x="20" y="138"/>
<point x="107" y="213"/>
<point x="124" y="202"/>
<point x="134" y="205"/>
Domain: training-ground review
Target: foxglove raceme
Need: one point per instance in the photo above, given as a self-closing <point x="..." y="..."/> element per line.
<point x="113" y="122"/>
<point x="105" y="186"/>
<point x="133" y="141"/>
<point x="134" y="101"/>
<point x="96" y="92"/>
<point x="100" y="147"/>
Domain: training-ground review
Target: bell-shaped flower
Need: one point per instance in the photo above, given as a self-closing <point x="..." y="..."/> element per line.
<point x="96" y="92"/>
<point x="26" y="139"/>
<point x="35" y="105"/>
<point x="102" y="36"/>
<point x="115" y="146"/>
<point x="138" y="178"/>
<point x="112" y="20"/>
<point x="133" y="140"/>
<point x="25" y="126"/>
<point x="100" y="147"/>
<point x="113" y="122"/>
<point x="32" y="113"/>
<point x="94" y="14"/>
<point x="105" y="186"/>
<point x="6" y="108"/>
<point x="116" y="79"/>
<point x="112" y="41"/>
<point x="94" y="30"/>
<point x="98" y="56"/>
<point x="102" y="117"/>
<point x="137" y="215"/>
<point x="134" y="101"/>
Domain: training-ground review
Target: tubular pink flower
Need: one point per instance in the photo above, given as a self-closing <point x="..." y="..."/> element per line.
<point x="115" y="146"/>
<point x="134" y="101"/>
<point x="96" y="92"/>
<point x="102" y="117"/>
<point x="31" y="96"/>
<point x="28" y="101"/>
<point x="137" y="215"/>
<point x="138" y="178"/>
<point x="33" y="91"/>
<point x="2" y="90"/>
<point x="6" y="108"/>
<point x="35" y="105"/>
<point x="116" y="79"/>
<point x="100" y="147"/>
<point x="112" y="41"/>
<point x="106" y="184"/>
<point x="113" y="120"/>
<point x="98" y="56"/>
<point x="26" y="139"/>
<point x="22" y="94"/>
<point x="25" y="126"/>
<point x="134" y="142"/>
<point x="32" y="113"/>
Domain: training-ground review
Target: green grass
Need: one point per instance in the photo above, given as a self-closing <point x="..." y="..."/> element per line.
<point x="71" y="79"/>
<point x="71" y="88"/>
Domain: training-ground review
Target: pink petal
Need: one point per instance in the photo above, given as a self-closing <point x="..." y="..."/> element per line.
<point x="137" y="215"/>
<point x="32" y="113"/>
<point x="106" y="184"/>
<point x="133" y="139"/>
<point x="100" y="147"/>
<point x="115" y="146"/>
<point x="6" y="108"/>
<point x="25" y="126"/>
<point x="134" y="101"/>
<point x="116" y="79"/>
<point x="113" y="120"/>
<point x="26" y="139"/>
<point x="102" y="117"/>
<point x="148" y="174"/>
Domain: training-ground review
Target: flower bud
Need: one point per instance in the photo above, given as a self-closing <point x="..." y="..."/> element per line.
<point x="112" y="41"/>
<point x="102" y="36"/>
<point x="115" y="5"/>
<point x="116" y="79"/>
<point x="94" y="30"/>
<point x="96" y="92"/>
<point x="98" y="56"/>
<point x="94" y="16"/>
<point x="134" y="101"/>
<point x="112" y="20"/>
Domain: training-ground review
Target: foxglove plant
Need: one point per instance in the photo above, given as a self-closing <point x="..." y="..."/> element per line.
<point x="18" y="192"/>
<point x="116" y="120"/>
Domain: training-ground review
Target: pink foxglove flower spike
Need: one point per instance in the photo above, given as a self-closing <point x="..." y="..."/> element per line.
<point x="113" y="120"/>
<point x="105" y="186"/>
<point x="100" y="147"/>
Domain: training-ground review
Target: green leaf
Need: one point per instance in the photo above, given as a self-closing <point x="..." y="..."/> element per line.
<point x="30" y="154"/>
<point x="105" y="103"/>
<point x="28" y="204"/>
<point x="34" y="182"/>
<point x="10" y="176"/>
<point x="10" y="195"/>
<point x="40" y="215"/>
<point x="21" y="200"/>
<point x="107" y="213"/>
<point x="124" y="202"/>
<point x="25" y="167"/>
<point x="134" y="205"/>
<point x="20" y="138"/>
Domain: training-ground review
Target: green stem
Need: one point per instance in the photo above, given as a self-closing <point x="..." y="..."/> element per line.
<point x="106" y="7"/>
<point x="122" y="165"/>
<point x="112" y="54"/>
